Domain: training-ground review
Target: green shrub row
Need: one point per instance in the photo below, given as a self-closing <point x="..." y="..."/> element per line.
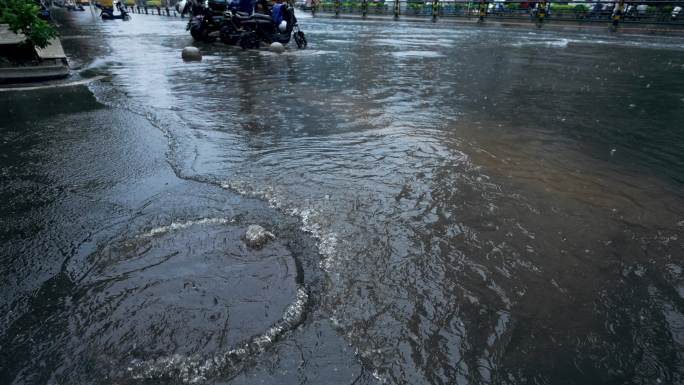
<point x="22" y="17"/>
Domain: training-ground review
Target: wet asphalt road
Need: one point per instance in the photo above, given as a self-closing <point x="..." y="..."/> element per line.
<point x="460" y="205"/>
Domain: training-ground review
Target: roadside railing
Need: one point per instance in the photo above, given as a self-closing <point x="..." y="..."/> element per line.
<point x="612" y="12"/>
<point x="663" y="13"/>
<point x="152" y="7"/>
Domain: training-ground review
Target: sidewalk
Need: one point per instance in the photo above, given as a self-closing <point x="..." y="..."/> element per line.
<point x="20" y="63"/>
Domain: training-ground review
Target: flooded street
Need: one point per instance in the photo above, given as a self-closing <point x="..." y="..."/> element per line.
<point x="451" y="205"/>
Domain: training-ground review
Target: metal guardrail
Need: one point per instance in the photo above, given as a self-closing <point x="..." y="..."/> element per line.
<point x="614" y="12"/>
<point x="152" y="7"/>
<point x="664" y="13"/>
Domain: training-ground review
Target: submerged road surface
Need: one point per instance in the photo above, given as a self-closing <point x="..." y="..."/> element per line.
<point x="450" y="205"/>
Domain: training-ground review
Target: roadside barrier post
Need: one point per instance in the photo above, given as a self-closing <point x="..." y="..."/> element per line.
<point x="541" y="12"/>
<point x="618" y="12"/>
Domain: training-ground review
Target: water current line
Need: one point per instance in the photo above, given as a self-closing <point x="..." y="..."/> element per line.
<point x="198" y="368"/>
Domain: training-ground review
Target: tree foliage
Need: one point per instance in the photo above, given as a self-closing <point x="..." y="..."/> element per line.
<point x="22" y="17"/>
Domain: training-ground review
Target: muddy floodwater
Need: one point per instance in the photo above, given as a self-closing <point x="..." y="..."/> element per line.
<point x="450" y="205"/>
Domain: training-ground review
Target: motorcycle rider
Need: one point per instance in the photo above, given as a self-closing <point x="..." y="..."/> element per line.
<point x="280" y="13"/>
<point x="277" y="12"/>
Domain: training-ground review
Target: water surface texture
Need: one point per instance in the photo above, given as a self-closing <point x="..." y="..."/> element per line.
<point x="487" y="206"/>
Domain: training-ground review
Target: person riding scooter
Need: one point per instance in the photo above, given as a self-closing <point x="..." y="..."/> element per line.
<point x="248" y="24"/>
<point x="277" y="12"/>
<point x="107" y="10"/>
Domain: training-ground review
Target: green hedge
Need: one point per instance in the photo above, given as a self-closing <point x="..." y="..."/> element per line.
<point x="22" y="17"/>
<point x="569" y="7"/>
<point x="352" y="5"/>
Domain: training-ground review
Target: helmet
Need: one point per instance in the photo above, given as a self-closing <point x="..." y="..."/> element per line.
<point x="283" y="26"/>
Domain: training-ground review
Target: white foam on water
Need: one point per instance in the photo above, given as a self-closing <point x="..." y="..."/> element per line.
<point x="332" y="32"/>
<point x="326" y="240"/>
<point x="559" y="43"/>
<point x="315" y="52"/>
<point x="198" y="369"/>
<point x="563" y="43"/>
<point x="404" y="42"/>
<point x="417" y="54"/>
<point x="336" y="41"/>
<point x="378" y="377"/>
<point x="100" y="62"/>
<point x="292" y="50"/>
<point x="184" y="225"/>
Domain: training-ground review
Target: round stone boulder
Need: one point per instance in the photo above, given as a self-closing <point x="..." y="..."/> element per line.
<point x="277" y="47"/>
<point x="256" y="236"/>
<point x="191" y="53"/>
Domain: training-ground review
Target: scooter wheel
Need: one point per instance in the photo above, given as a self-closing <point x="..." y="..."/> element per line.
<point x="228" y="38"/>
<point x="300" y="40"/>
<point x="206" y="37"/>
<point x="248" y="41"/>
<point x="243" y="44"/>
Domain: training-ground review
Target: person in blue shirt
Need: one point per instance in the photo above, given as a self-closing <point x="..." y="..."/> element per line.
<point x="277" y="12"/>
<point x="280" y="14"/>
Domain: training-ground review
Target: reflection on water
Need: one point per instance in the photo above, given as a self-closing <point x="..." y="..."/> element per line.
<point x="491" y="207"/>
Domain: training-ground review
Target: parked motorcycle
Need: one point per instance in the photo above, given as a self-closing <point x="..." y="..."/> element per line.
<point x="207" y="18"/>
<point x="237" y="23"/>
<point x="107" y="13"/>
<point x="249" y="31"/>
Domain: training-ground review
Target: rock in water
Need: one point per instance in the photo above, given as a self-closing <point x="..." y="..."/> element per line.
<point x="277" y="47"/>
<point x="256" y="236"/>
<point x="191" y="53"/>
